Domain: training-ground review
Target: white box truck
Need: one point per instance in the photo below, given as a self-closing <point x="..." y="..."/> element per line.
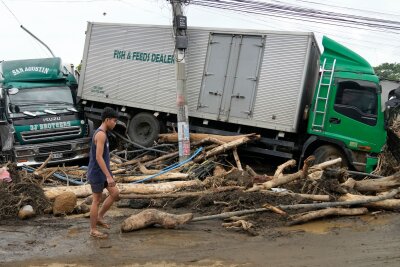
<point x="238" y="81"/>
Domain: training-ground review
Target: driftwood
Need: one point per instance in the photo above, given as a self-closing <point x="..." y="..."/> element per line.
<point x="316" y="171"/>
<point x="152" y="217"/>
<point x="374" y="185"/>
<point x="161" y="177"/>
<point x="274" y="209"/>
<point x="230" y="145"/>
<point x="313" y="215"/>
<point x="85" y="190"/>
<point x="159" y="159"/>
<point x="321" y="198"/>
<point x="182" y="194"/>
<point x="197" y="137"/>
<point x="300" y="206"/>
<point x="239" y="224"/>
<point x="284" y="179"/>
<point x="44" y="164"/>
<point x="135" y="161"/>
<point x="209" y="140"/>
<point x="237" y="159"/>
<point x="287" y="164"/>
<point x="386" y="204"/>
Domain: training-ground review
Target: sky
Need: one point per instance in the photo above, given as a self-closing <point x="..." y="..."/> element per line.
<point x="61" y="24"/>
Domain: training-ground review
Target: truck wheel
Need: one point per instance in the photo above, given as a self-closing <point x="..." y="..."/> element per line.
<point x="327" y="152"/>
<point x="144" y="129"/>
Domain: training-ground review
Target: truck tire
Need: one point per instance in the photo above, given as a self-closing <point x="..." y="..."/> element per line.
<point x="144" y="129"/>
<point x="327" y="152"/>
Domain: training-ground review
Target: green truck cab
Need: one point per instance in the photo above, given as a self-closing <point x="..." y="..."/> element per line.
<point x="39" y="114"/>
<point x="346" y="111"/>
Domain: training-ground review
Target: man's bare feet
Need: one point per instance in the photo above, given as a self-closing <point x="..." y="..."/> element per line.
<point x="98" y="234"/>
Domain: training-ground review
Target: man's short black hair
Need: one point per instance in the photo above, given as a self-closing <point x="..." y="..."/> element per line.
<point x="108" y="113"/>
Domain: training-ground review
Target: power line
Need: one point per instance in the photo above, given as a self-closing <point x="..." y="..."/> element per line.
<point x="12" y="13"/>
<point x="304" y="14"/>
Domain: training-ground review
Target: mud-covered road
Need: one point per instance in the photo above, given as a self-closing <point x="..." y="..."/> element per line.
<point x="48" y="241"/>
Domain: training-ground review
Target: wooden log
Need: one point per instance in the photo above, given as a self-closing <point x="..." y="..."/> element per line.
<point x="374" y="185"/>
<point x="85" y="190"/>
<point x="282" y="167"/>
<point x="152" y="217"/>
<point x="237" y="159"/>
<point x="161" y="177"/>
<point x="284" y="179"/>
<point x="135" y="161"/>
<point x="326" y="164"/>
<point x="197" y="137"/>
<point x="240" y="224"/>
<point x="144" y="170"/>
<point x="119" y="171"/>
<point x="387" y="204"/>
<point x="274" y="209"/>
<point x="182" y="194"/>
<point x="44" y="164"/>
<point x="313" y="215"/>
<point x="208" y="140"/>
<point x="159" y="159"/>
<point x="321" y="198"/>
<point x="251" y="171"/>
<point x="230" y="145"/>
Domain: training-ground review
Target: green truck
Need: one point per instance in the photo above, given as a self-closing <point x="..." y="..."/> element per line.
<point x="346" y="117"/>
<point x="274" y="83"/>
<point x="39" y="114"/>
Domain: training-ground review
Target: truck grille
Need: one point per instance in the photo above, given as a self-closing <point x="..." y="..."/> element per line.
<point x="50" y="133"/>
<point x="60" y="148"/>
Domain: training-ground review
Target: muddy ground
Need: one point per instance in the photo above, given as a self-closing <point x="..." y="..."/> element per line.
<point x="48" y="241"/>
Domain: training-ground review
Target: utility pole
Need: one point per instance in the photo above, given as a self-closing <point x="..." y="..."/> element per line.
<point x="181" y="43"/>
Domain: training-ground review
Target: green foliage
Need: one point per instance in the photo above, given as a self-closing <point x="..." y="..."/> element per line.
<point x="388" y="71"/>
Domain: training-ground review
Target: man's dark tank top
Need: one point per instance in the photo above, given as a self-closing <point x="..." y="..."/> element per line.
<point x="94" y="173"/>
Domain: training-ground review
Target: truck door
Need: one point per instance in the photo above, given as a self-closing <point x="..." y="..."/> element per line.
<point x="354" y="116"/>
<point x="230" y="75"/>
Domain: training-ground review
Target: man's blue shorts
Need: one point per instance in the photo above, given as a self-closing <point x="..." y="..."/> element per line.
<point x="98" y="187"/>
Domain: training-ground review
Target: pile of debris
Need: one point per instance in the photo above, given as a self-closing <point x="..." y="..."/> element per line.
<point x="213" y="184"/>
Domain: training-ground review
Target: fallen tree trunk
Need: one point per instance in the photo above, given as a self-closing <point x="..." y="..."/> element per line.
<point x="152" y="217"/>
<point x="197" y="137"/>
<point x="313" y="215"/>
<point x="85" y="190"/>
<point x="374" y="185"/>
<point x="161" y="177"/>
<point x="387" y="204"/>
<point x="182" y="194"/>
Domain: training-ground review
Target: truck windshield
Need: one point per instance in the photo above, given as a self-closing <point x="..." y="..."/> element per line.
<point x="43" y="96"/>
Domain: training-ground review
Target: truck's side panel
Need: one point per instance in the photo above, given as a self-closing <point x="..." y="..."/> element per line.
<point x="132" y="65"/>
<point x="280" y="83"/>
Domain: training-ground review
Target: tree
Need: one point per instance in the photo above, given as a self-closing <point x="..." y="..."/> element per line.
<point x="388" y="71"/>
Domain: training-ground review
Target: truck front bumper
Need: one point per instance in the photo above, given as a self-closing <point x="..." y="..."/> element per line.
<point x="63" y="151"/>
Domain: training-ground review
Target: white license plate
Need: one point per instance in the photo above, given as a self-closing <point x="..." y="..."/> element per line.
<point x="57" y="155"/>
